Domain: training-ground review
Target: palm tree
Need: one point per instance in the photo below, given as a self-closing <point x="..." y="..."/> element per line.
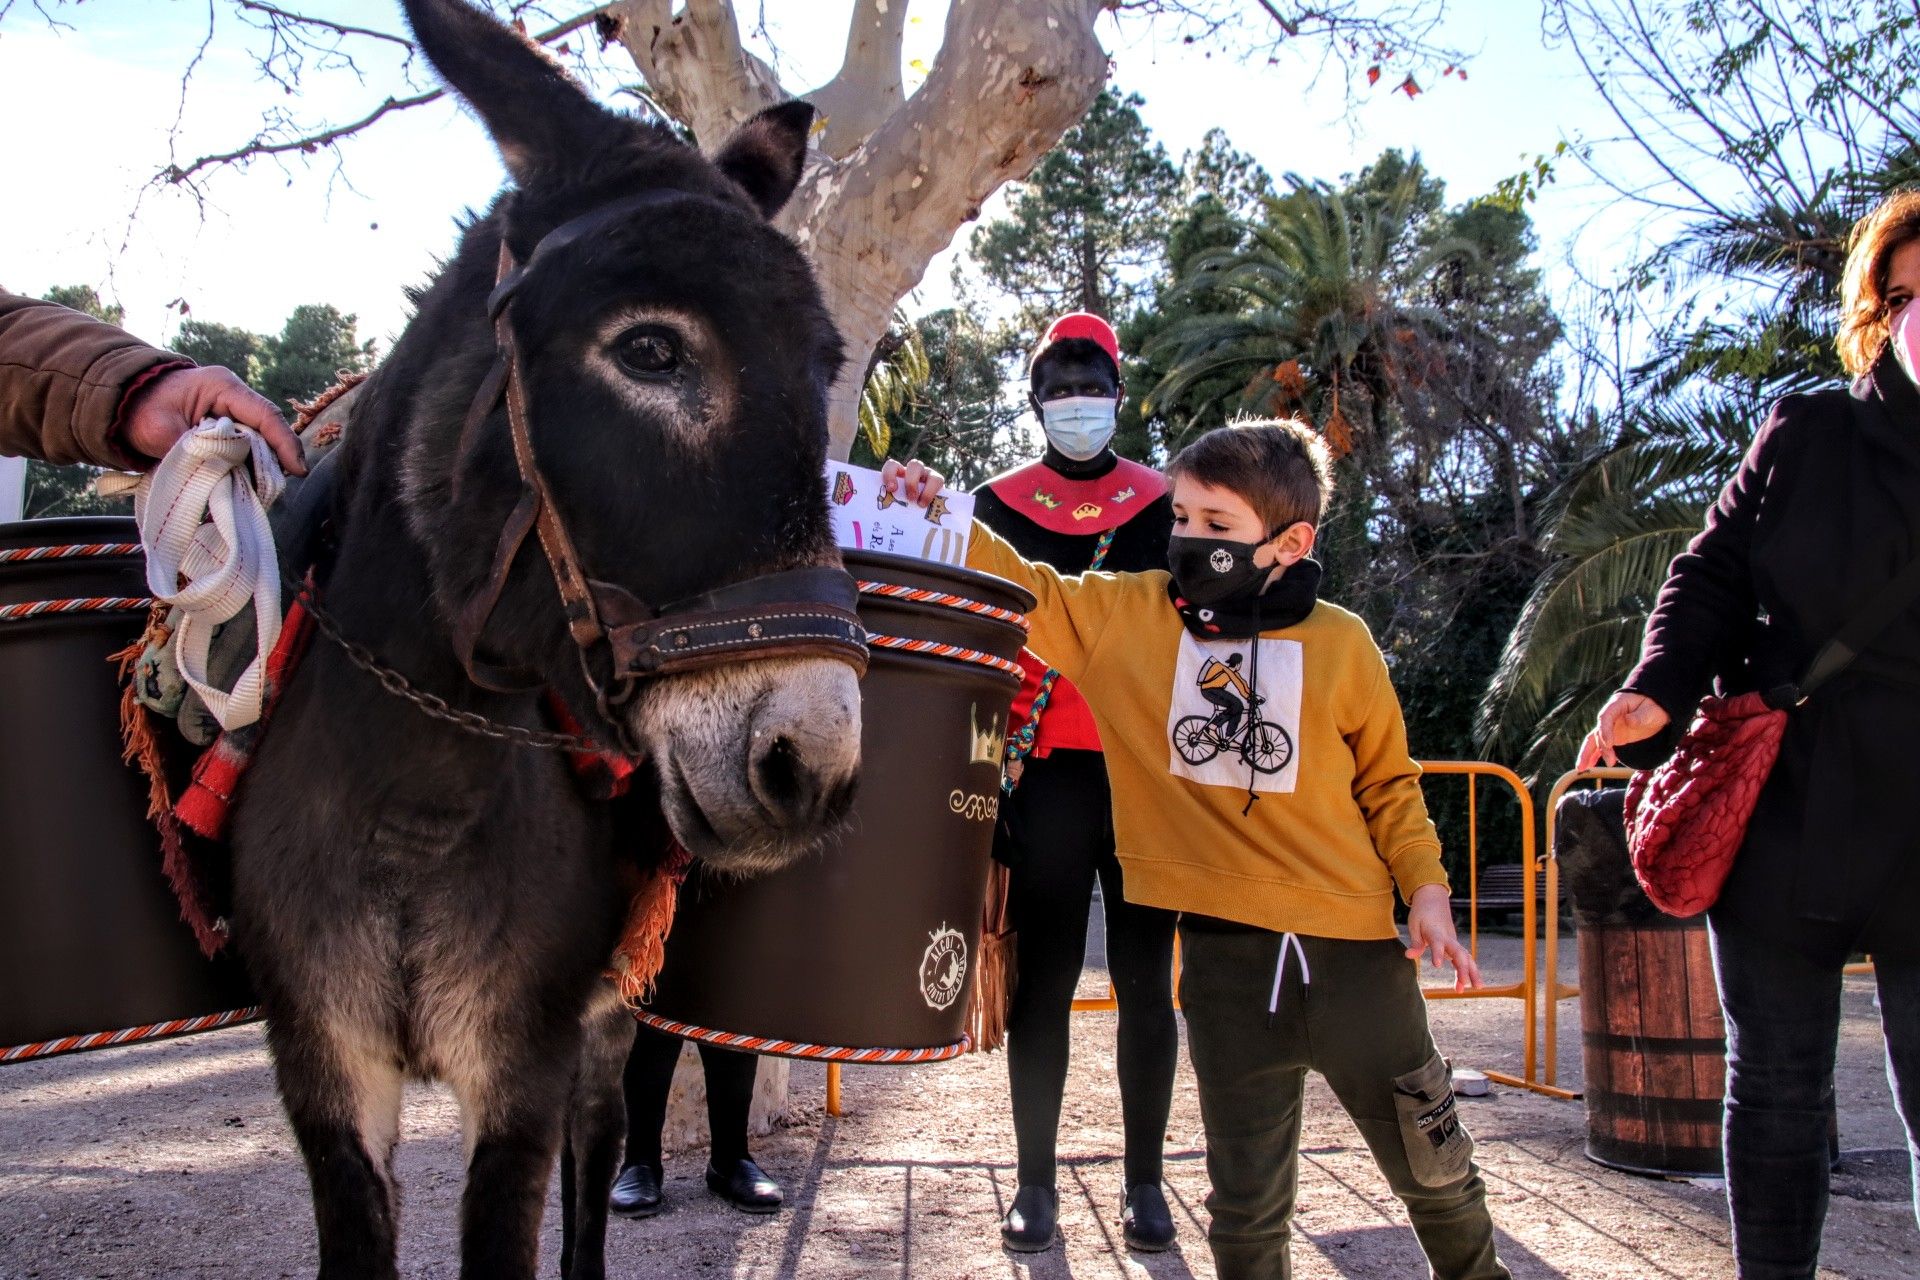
<point x="1616" y="525"/>
<point x="1320" y="318"/>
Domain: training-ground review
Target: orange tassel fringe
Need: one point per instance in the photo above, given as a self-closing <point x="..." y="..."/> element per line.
<point x="140" y="745"/>
<point x="993" y="974"/>
<point x="305" y="411"/>
<point x="643" y="947"/>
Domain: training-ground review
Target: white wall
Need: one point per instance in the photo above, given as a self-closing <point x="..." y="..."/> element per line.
<point x="13" y="487"/>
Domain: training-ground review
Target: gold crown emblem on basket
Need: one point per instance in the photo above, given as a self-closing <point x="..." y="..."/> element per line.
<point x="986" y="743"/>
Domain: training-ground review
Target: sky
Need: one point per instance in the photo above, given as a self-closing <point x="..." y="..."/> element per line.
<point x="88" y="114"/>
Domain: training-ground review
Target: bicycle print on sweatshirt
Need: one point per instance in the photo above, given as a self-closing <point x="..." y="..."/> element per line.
<point x="1234" y="719"/>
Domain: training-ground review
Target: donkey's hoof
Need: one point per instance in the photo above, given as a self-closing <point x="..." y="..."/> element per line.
<point x="636" y="1192"/>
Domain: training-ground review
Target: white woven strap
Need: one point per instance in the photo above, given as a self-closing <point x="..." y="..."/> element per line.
<point x="203" y="523"/>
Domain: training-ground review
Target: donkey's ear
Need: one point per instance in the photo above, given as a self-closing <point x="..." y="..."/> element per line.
<point x="539" y="118"/>
<point x="765" y="155"/>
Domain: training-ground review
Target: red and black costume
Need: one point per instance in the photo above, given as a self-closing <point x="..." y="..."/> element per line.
<point x="1056" y="829"/>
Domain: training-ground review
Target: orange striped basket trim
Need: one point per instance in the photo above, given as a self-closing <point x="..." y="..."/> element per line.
<point x="107" y="1039"/>
<point x="76" y="552"/>
<point x="92" y="604"/>
<point x="957" y="653"/>
<point x="800" y="1049"/>
<point x="946" y="600"/>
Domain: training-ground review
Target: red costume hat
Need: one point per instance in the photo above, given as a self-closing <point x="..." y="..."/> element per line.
<point x="1079" y="324"/>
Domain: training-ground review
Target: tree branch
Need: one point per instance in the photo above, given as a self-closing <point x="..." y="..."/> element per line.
<point x="277" y="14"/>
<point x="868" y="87"/>
<point x="1353" y="32"/>
<point x="307" y="144"/>
<point x="1011" y="78"/>
<point x="695" y="64"/>
<point x="6" y="7"/>
<point x="266" y="143"/>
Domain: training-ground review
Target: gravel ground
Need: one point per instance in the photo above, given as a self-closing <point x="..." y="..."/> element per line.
<point x="174" y="1160"/>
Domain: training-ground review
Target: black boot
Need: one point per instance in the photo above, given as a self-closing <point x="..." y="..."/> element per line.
<point x="1147" y="1223"/>
<point x="636" y="1192"/>
<point x="1033" y="1221"/>
<point x="745" y="1186"/>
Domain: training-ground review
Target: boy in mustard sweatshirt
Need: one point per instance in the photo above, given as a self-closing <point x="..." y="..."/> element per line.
<point x="1262" y="789"/>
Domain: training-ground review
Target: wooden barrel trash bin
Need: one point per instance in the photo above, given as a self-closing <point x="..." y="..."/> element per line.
<point x="1653" y="1040"/>
<point x="1654" y="1045"/>
<point x="92" y="948"/>
<point x="865" y="951"/>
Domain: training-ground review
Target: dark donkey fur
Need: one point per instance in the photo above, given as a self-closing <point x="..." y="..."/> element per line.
<point x="415" y="901"/>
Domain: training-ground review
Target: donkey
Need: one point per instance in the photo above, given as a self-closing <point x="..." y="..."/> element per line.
<point x="625" y="359"/>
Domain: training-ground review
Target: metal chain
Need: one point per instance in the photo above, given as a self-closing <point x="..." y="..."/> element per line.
<point x="437" y="707"/>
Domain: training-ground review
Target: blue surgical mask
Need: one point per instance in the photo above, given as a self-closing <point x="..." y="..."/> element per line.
<point x="1905" y="340"/>
<point x="1079" y="426"/>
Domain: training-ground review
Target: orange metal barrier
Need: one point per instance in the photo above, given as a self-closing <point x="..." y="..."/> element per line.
<point x="1555" y="993"/>
<point x="1526" y="990"/>
<point x="1110" y="1002"/>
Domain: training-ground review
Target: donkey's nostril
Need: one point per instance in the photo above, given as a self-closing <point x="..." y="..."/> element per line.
<point x="840" y="800"/>
<point x="783" y="782"/>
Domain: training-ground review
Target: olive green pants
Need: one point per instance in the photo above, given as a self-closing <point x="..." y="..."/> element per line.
<point x="1353" y="1012"/>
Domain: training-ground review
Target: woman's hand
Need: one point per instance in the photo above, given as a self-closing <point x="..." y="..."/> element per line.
<point x="914" y="481"/>
<point x="1430" y="924"/>
<point x="1627" y="717"/>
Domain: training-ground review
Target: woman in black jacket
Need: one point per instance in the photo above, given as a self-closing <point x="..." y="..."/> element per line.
<point x="1823" y="514"/>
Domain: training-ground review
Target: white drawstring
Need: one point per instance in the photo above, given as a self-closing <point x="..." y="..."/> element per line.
<point x="203" y="525"/>
<point x="1287" y="940"/>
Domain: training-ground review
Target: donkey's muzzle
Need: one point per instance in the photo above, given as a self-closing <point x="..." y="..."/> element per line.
<point x="797" y="788"/>
<point x="797" y="613"/>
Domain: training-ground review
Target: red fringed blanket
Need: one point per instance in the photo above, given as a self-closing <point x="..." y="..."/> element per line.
<point x="208" y="800"/>
<point x="205" y="806"/>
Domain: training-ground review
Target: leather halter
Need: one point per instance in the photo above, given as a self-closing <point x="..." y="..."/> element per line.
<point x="622" y="639"/>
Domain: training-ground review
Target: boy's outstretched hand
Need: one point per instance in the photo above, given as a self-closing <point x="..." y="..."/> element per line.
<point x="1430" y="924"/>
<point x="914" y="481"/>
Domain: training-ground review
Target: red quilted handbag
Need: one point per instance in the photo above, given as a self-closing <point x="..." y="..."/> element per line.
<point x="1687" y="819"/>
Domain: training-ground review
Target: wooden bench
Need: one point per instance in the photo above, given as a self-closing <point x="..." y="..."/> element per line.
<point x="1502" y="891"/>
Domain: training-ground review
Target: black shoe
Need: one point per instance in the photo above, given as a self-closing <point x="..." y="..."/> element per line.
<point x="636" y="1192"/>
<point x="745" y="1186"/>
<point x="1147" y="1223"/>
<point x="1032" y="1222"/>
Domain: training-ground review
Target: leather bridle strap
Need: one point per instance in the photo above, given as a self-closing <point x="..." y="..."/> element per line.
<point x="798" y="612"/>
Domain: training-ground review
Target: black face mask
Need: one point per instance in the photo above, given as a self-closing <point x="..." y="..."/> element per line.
<point x="1212" y="571"/>
<point x="1235" y="601"/>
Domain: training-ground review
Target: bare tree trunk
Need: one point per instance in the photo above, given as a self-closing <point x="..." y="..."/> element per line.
<point x="895" y="177"/>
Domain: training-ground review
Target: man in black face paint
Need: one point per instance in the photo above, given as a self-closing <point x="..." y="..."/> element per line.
<point x="1079" y="506"/>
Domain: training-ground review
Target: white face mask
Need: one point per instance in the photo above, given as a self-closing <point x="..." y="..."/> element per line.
<point x="1905" y="338"/>
<point x="1079" y="426"/>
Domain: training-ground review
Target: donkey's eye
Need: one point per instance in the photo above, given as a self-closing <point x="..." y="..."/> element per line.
<point x="648" y="351"/>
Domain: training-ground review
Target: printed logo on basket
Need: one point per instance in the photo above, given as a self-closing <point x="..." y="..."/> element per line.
<point x="984" y="744"/>
<point x="943" y="969"/>
<point x="973" y="806"/>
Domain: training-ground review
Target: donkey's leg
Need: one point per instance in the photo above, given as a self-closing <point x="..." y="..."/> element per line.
<point x="342" y="1093"/>
<point x="596" y="1130"/>
<point x="513" y="1102"/>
